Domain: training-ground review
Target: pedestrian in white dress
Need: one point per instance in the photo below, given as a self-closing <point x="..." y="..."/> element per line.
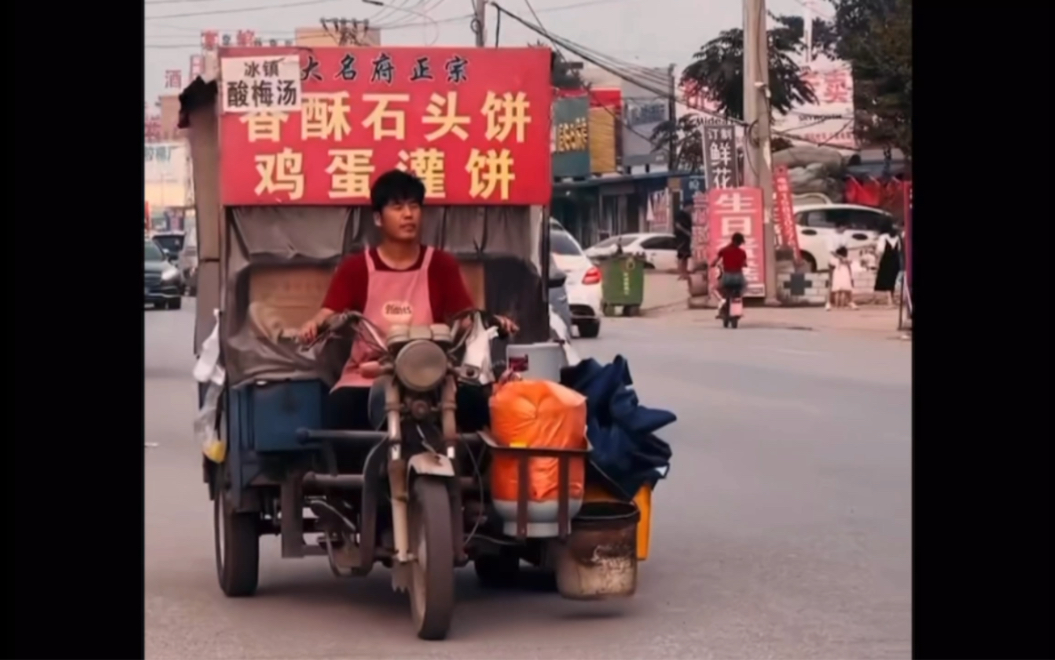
<point x="841" y="282"/>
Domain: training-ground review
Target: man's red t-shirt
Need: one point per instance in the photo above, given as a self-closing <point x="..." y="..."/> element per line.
<point x="733" y="259"/>
<point x="448" y="294"/>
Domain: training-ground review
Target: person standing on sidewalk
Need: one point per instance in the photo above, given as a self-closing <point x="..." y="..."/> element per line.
<point x="840" y="281"/>
<point x="683" y="238"/>
<point x="888" y="247"/>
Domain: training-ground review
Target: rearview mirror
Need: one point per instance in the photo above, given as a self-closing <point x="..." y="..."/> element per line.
<point x="557" y="281"/>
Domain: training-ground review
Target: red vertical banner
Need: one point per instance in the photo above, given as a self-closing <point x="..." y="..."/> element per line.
<point x="908" y="236"/>
<point x="739" y="211"/>
<point x="783" y="207"/>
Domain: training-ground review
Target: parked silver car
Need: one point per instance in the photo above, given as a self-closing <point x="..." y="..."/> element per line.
<point x="558" y="295"/>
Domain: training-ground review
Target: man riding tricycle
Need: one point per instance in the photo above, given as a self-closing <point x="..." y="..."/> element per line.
<point x="349" y="365"/>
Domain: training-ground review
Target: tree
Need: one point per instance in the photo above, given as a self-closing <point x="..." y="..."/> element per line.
<point x="717" y="71"/>
<point x="564" y="74"/>
<point x="717" y="75"/>
<point x="875" y="38"/>
<point x="688" y="141"/>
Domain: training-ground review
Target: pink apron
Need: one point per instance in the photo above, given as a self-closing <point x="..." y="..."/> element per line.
<point x="393" y="297"/>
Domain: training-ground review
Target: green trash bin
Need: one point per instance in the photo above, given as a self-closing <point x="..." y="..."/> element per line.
<point x="623" y="285"/>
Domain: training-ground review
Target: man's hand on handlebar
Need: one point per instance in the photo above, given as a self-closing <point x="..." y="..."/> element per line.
<point x="506" y="324"/>
<point x="308" y="332"/>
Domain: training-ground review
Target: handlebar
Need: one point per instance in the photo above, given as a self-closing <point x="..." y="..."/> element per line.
<point x="489" y="320"/>
<point x="342" y="320"/>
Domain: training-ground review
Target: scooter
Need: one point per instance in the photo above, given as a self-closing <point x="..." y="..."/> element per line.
<point x="731" y="308"/>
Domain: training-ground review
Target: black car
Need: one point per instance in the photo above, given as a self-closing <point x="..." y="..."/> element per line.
<point x="162" y="282"/>
<point x="170" y="242"/>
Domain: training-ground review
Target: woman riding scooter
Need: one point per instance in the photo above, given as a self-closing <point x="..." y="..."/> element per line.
<point x="731" y="260"/>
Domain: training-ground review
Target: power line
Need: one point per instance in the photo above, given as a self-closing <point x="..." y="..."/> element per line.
<point x="617" y="117"/>
<point x="215" y="12"/>
<point x="285" y="35"/>
<point x="571" y="46"/>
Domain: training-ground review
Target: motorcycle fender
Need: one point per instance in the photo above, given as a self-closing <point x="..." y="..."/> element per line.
<point x="433" y="465"/>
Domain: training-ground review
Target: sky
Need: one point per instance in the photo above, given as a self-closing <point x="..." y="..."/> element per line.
<point x="646" y="32"/>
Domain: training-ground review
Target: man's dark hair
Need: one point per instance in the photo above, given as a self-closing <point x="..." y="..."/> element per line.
<point x="688" y="204"/>
<point x="738" y="239"/>
<point x="396" y="186"/>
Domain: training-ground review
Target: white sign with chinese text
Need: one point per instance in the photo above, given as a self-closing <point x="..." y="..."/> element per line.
<point x="830" y="119"/>
<point x="165" y="162"/>
<point x="261" y="84"/>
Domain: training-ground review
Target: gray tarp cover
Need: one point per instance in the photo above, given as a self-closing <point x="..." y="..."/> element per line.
<point x="505" y="239"/>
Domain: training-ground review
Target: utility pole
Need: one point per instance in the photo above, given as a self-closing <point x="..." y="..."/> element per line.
<point x="672" y="116"/>
<point x="758" y="159"/>
<point x="480" y="22"/>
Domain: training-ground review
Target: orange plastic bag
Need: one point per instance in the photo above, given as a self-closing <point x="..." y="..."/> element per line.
<point x="537" y="413"/>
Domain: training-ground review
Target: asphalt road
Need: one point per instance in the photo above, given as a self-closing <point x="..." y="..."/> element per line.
<point x="782" y="532"/>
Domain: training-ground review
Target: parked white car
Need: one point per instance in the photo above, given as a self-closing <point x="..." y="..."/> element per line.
<point x="583" y="284"/>
<point x="816" y="222"/>
<point x="660" y="251"/>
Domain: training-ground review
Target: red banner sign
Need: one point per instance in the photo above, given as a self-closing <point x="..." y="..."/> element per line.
<point x="739" y="210"/>
<point x="783" y="209"/>
<point x="473" y="124"/>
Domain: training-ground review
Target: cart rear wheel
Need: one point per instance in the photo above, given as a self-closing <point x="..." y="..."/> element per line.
<point x="498" y="571"/>
<point x="432" y="572"/>
<point x="237" y="547"/>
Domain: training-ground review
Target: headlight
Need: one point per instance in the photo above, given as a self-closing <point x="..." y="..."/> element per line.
<point x="421" y="365"/>
<point x="169" y="274"/>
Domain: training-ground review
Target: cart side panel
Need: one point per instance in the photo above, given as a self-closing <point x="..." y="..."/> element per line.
<point x="276" y="410"/>
<point x="198" y="105"/>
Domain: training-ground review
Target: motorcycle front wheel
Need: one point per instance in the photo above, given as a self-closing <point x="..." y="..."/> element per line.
<point x="432" y="572"/>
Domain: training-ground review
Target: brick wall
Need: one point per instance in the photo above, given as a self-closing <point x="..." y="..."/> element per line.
<point x="812" y="288"/>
